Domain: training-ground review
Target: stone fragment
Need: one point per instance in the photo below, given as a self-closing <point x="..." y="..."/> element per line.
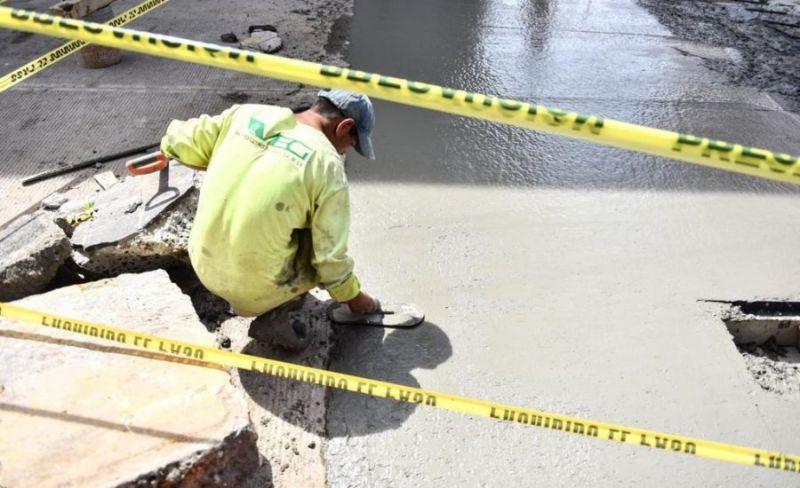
<point x="264" y="41"/>
<point x="54" y="201"/>
<point x="31" y="250"/>
<point x="106" y="179"/>
<point x="229" y="37"/>
<point x="82" y="411"/>
<point x="139" y="225"/>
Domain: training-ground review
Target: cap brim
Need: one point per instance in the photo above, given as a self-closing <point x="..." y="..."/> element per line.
<point x="364" y="146"/>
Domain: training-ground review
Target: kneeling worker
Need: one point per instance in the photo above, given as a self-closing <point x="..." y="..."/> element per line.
<point x="274" y="211"/>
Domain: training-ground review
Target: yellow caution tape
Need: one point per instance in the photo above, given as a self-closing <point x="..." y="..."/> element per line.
<point x="61" y="52"/>
<point x="592" y="128"/>
<point x="381" y="389"/>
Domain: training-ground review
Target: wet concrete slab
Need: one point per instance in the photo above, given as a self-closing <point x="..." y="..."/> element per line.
<point x="554" y="274"/>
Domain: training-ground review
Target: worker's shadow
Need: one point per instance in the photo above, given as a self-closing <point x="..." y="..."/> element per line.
<point x="372" y="352"/>
<point x="364" y="351"/>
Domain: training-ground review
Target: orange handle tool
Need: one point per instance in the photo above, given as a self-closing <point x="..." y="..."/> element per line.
<point x="148" y="163"/>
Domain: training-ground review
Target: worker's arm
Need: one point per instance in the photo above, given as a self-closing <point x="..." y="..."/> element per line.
<point x="192" y="141"/>
<point x="330" y="227"/>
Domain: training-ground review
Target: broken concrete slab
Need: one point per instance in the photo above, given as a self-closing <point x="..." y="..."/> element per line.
<point x="32" y="248"/>
<point x="289" y="416"/>
<point x="79" y="411"/>
<point x="265" y="41"/>
<point x="139" y="224"/>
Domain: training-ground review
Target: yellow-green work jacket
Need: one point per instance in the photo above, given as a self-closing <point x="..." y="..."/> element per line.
<point x="274" y="211"/>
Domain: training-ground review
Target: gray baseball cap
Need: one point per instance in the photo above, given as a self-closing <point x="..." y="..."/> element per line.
<point x="359" y="108"/>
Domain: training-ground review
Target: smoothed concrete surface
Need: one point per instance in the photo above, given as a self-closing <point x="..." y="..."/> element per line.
<point x="559" y="275"/>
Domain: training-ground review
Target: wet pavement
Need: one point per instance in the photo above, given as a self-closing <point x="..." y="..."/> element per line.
<point x="556" y="274"/>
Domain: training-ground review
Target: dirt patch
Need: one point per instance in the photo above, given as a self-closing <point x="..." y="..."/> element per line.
<point x="766" y="34"/>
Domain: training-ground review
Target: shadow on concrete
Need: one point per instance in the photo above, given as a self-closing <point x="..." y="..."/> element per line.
<point x="390" y="357"/>
<point x="359" y="351"/>
<point x="103" y="424"/>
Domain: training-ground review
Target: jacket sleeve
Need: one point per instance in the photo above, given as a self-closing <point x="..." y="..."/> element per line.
<point x="330" y="227"/>
<point x="192" y="141"/>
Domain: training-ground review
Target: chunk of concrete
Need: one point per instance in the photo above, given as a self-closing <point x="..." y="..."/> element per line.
<point x="77" y="9"/>
<point x="264" y="41"/>
<point x="80" y="411"/>
<point x="32" y="248"/>
<point x="140" y="224"/>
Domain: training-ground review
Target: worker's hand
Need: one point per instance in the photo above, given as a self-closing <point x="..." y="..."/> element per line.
<point x="362" y="304"/>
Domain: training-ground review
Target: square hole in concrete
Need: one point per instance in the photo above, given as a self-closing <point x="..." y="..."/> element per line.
<point x="767" y="334"/>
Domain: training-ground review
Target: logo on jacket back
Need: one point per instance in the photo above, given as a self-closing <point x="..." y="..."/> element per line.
<point x="257" y="129"/>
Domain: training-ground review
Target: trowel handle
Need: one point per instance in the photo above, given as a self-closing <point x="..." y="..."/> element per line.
<point x="149" y="163"/>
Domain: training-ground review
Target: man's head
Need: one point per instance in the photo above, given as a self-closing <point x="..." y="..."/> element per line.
<point x="350" y="120"/>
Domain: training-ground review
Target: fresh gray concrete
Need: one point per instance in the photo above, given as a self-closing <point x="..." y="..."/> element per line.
<point x="555" y="274"/>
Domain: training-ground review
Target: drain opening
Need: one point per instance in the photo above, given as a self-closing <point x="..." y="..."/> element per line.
<point x="767" y="334"/>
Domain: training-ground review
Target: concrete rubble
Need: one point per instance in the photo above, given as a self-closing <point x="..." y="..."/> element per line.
<point x="130" y="230"/>
<point x="87" y="412"/>
<point x="32" y="249"/>
<point x="182" y="429"/>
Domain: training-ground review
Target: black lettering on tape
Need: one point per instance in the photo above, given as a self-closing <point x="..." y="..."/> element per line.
<point x="211" y="50"/>
<point x="661" y="443"/>
<point x="171" y="44"/>
<point x="68" y="24"/>
<point x="449" y="93"/>
<point x="751" y="157"/>
<point x="721" y="147"/>
<point x="330" y="71"/>
<point x="488" y="100"/>
<point x="557" y="424"/>
<point x="785" y="159"/>
<point x="493" y="413"/>
<point x="362" y="76"/>
<point x="593" y="431"/>
<point x="686" y="139"/>
<point x="643" y="440"/>
<point x="20" y="14"/>
<point x="92" y="29"/>
<point x="691" y="448"/>
<point x="511" y="105"/>
<point x="789" y="465"/>
<point x="555" y="117"/>
<point x="430" y="400"/>
<point x="43" y="19"/>
<point x="388" y="82"/>
<point x="418" y="87"/>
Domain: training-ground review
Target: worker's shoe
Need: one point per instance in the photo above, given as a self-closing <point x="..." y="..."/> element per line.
<point x="283" y="326"/>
